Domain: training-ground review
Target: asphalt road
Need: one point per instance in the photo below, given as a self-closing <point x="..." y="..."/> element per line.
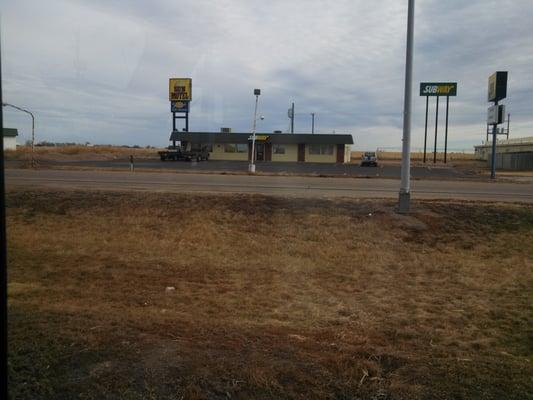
<point x="270" y="185"/>
<point x="438" y="171"/>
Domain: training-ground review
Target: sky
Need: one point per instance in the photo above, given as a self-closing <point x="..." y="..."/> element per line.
<point x="97" y="71"/>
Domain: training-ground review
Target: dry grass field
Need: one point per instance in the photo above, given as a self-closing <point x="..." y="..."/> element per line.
<point x="415" y="156"/>
<point x="274" y="298"/>
<point x="78" y="152"/>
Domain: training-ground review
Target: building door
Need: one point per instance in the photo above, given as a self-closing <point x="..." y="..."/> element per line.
<point x="259" y="151"/>
<point x="268" y="151"/>
<point x="301" y="152"/>
<point x="340" y="153"/>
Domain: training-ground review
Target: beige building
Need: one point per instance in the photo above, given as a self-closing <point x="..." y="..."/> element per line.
<point x="10" y="138"/>
<point x="275" y="147"/>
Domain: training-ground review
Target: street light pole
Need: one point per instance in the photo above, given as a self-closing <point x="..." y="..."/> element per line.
<point x="251" y="166"/>
<point x="312" y="122"/>
<point x="405" y="189"/>
<point x="32" y="129"/>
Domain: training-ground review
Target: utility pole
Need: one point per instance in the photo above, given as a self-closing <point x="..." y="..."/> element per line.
<point x="508" y="124"/>
<point x="292" y="118"/>
<point x="405" y="189"/>
<point x="312" y="122"/>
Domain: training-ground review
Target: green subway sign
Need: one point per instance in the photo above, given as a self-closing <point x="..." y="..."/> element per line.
<point x="438" y="89"/>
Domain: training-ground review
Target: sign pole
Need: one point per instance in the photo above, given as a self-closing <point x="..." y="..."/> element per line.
<point x="493" y="157"/>
<point x="426" y="129"/>
<point x="404" y="201"/>
<point x="436" y="129"/>
<point x="446" y="131"/>
<point x="187" y="122"/>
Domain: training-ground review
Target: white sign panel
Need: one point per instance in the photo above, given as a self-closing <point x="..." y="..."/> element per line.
<point x="495" y="115"/>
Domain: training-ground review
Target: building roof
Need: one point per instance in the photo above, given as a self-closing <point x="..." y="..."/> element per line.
<point x="10" y="132"/>
<point x="274" y="138"/>
<point x="524" y="141"/>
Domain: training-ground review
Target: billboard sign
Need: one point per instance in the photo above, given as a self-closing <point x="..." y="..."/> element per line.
<point x="496" y="115"/>
<point x="438" y="89"/>
<point x="179" y="106"/>
<point x="180" y="89"/>
<point x="497" y="86"/>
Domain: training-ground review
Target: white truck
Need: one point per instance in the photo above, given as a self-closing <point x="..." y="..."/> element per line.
<point x="369" y="159"/>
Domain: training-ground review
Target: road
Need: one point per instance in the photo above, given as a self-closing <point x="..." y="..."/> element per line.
<point x="270" y="185"/>
<point x="385" y="170"/>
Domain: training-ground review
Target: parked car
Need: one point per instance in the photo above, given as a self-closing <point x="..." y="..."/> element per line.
<point x="369" y="159"/>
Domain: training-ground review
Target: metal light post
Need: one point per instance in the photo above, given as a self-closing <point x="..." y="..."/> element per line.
<point x="405" y="189"/>
<point x="4" y="393"/>
<point x="32" y="129"/>
<point x="251" y="166"/>
<point x="312" y="122"/>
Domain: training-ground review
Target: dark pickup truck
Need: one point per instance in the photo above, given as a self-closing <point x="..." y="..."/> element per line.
<point x="178" y="154"/>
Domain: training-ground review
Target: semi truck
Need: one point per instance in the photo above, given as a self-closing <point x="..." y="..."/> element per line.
<point x="178" y="153"/>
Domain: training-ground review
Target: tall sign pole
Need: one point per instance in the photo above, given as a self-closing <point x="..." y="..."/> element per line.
<point x="404" y="202"/>
<point x="180" y="97"/>
<point x="426" y="129"/>
<point x="437" y="89"/>
<point x="446" y="130"/>
<point x="496" y="113"/>
<point x="493" y="156"/>
<point x="436" y="130"/>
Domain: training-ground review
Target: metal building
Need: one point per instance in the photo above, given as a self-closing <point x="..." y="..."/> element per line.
<point x="512" y="154"/>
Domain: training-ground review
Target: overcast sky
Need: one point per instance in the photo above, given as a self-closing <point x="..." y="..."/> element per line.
<point x="98" y="70"/>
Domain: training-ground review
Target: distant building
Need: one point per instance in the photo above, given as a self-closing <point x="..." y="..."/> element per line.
<point x="514" y="154"/>
<point x="10" y="138"/>
<point x="297" y="147"/>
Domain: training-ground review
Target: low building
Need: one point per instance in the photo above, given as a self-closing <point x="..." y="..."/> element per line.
<point x="518" y="145"/>
<point x="275" y="147"/>
<point x="10" y="138"/>
<point x="512" y="154"/>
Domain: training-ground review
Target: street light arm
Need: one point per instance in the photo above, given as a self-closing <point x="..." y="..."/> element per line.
<point x="18" y="108"/>
<point x="32" y="128"/>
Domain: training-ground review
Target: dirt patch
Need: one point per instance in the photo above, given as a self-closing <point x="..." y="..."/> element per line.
<point x="274" y="297"/>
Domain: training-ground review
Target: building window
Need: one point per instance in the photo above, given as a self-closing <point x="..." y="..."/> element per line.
<point x="321" y="149"/>
<point x="279" y="149"/>
<point x="199" y="146"/>
<point x="235" y="148"/>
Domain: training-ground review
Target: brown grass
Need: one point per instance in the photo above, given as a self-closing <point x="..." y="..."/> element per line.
<point x="78" y="152"/>
<point x="274" y="298"/>
<point x="415" y="156"/>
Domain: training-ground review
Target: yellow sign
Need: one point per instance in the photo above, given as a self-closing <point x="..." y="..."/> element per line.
<point x="180" y="89"/>
<point x="259" y="138"/>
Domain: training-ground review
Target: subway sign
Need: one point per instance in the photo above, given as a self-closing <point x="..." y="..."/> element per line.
<point x="438" y="89"/>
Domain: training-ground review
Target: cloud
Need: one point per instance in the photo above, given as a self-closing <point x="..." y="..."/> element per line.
<point x="98" y="71"/>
